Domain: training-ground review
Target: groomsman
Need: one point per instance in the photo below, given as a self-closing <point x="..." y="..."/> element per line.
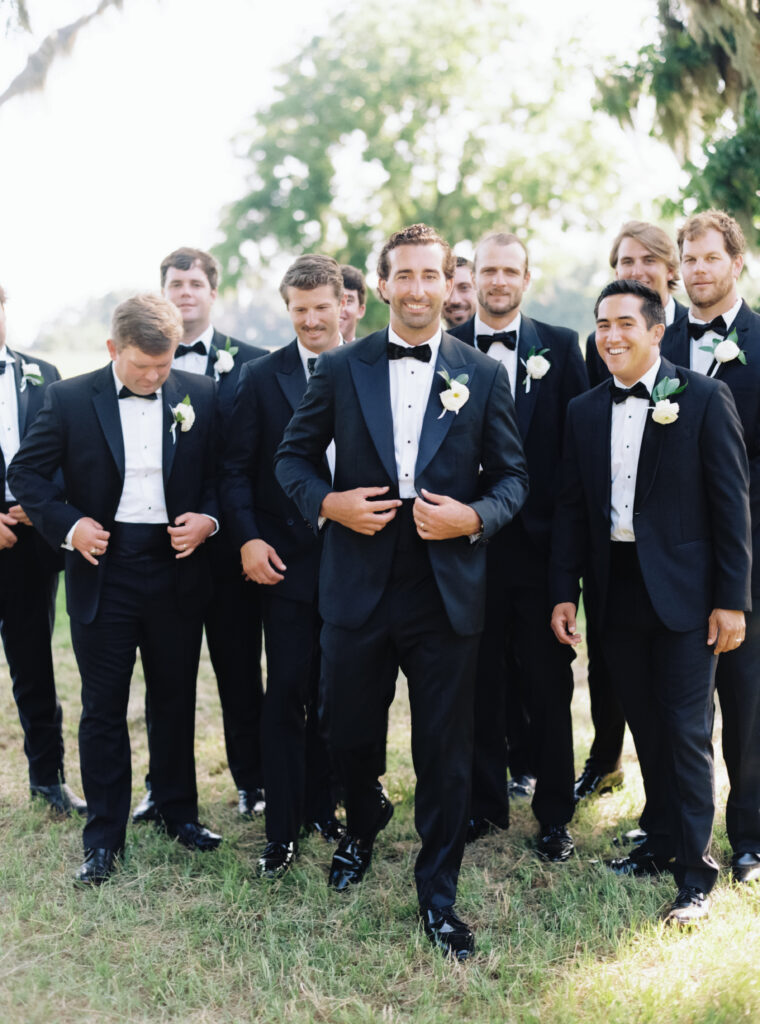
<point x="28" y="585"/>
<point x="354" y="301"/>
<point x="428" y="465"/>
<point x="640" y="252"/>
<point x="460" y="305"/>
<point x="721" y="338"/>
<point x="546" y="370"/>
<point x="136" y="571"/>
<point x="654" y="513"/>
<point x="280" y="553"/>
<point x="190" y="279"/>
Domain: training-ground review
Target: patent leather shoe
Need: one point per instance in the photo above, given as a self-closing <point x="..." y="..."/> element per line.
<point x="146" y="810"/>
<point x="251" y="803"/>
<point x="594" y="782"/>
<point x="555" y="843"/>
<point x="689" y="907"/>
<point x="521" y="787"/>
<point x="331" y="830"/>
<point x="353" y="855"/>
<point x="640" y="864"/>
<point x="193" y="835"/>
<point x="634" y="837"/>
<point x="60" y="798"/>
<point x="276" y="859"/>
<point x="477" y="828"/>
<point x="98" y="866"/>
<point x="745" y="867"/>
<point x="448" y="932"/>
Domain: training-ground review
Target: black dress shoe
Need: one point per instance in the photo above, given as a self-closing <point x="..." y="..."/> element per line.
<point x="98" y="866"/>
<point x="555" y="843"/>
<point x="60" y="798"/>
<point x="331" y="830"/>
<point x="640" y="863"/>
<point x="251" y="803"/>
<point x="276" y="859"/>
<point x="689" y="907"/>
<point x="521" y="787"/>
<point x="193" y="835"/>
<point x="745" y="867"/>
<point x="593" y="782"/>
<point x="479" y="827"/>
<point x="352" y="858"/>
<point x="146" y="810"/>
<point x="448" y="932"/>
<point x="634" y="837"/>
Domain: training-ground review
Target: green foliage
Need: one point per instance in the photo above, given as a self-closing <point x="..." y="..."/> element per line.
<point x="703" y="74"/>
<point x="401" y="113"/>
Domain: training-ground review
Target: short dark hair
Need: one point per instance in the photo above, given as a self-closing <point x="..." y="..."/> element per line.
<point x="501" y="238"/>
<point x="149" y="322"/>
<point x="312" y="271"/>
<point x="701" y="223"/>
<point x="185" y="258"/>
<point x="415" y="234"/>
<point x="353" y="281"/>
<point x="462" y="261"/>
<point x="655" y="240"/>
<point x="651" y="303"/>
<point x="3" y="296"/>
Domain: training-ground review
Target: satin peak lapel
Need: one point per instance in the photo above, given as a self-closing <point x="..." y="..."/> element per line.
<point x="679" y="343"/>
<point x="170" y="395"/>
<point x="651" y="444"/>
<point x="434" y="426"/>
<point x="373" y="388"/>
<point x="292" y="379"/>
<point x="602" y="463"/>
<point x="22" y="396"/>
<point x="525" y="402"/>
<point x="106" y="406"/>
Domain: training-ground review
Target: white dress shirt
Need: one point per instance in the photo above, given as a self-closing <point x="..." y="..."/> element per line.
<point x="498" y="350"/>
<point x="194" y="362"/>
<point x="306" y="355"/>
<point x="142" y="427"/>
<point x="9" y="431"/>
<point x="670" y="311"/>
<point x="702" y="361"/>
<point x="410" y="382"/>
<point x="628" y="422"/>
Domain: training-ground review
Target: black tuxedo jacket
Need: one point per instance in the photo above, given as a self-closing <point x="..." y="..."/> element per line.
<point x="348" y="399"/>
<point x="541" y="414"/>
<point x="78" y="432"/>
<point x="597" y="368"/>
<point x="744" y="383"/>
<point x="254" y="504"/>
<point x="691" y="506"/>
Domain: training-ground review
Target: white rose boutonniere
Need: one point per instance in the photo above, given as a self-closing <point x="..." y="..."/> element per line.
<point x="225" y="359"/>
<point x="725" y="351"/>
<point x="184" y="414"/>
<point x="536" y="366"/>
<point x="455" y="394"/>
<point x="30" y="374"/>
<point x="665" y="411"/>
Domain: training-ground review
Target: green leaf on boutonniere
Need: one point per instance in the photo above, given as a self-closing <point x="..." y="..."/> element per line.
<point x="666" y="388"/>
<point x="232" y="349"/>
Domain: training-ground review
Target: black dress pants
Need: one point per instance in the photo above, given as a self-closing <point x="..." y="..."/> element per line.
<point x="138" y="608"/>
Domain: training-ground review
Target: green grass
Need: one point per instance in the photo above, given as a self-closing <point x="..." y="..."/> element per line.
<point x="178" y="937"/>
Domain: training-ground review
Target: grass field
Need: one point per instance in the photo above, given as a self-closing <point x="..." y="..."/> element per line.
<point x="181" y="937"/>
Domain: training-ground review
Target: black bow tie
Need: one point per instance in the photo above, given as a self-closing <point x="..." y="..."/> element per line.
<point x="311" y="363"/>
<point x="507" y="338"/>
<point x="422" y="352"/>
<point x="697" y="330"/>
<point x="183" y="350"/>
<point x="126" y="393"/>
<point x="2" y="367"/>
<point x="639" y="390"/>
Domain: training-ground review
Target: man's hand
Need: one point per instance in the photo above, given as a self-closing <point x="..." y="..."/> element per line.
<point x="260" y="560"/>
<point x="90" y="539"/>
<point x="354" y="509"/>
<point x="7" y="537"/>
<point x="190" y="530"/>
<point x="563" y="624"/>
<point x="17" y="512"/>
<point x="439" y="517"/>
<point x="727" y="627"/>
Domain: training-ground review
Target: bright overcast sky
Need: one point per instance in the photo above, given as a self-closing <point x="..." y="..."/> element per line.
<point x="127" y="153"/>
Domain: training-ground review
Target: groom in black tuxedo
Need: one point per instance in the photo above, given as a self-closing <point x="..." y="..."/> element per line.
<point x="654" y="512"/>
<point x="712" y="252"/>
<point x="28" y="585"/>
<point x="428" y="466"/>
<point x="517" y="605"/>
<point x="134" y="444"/>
